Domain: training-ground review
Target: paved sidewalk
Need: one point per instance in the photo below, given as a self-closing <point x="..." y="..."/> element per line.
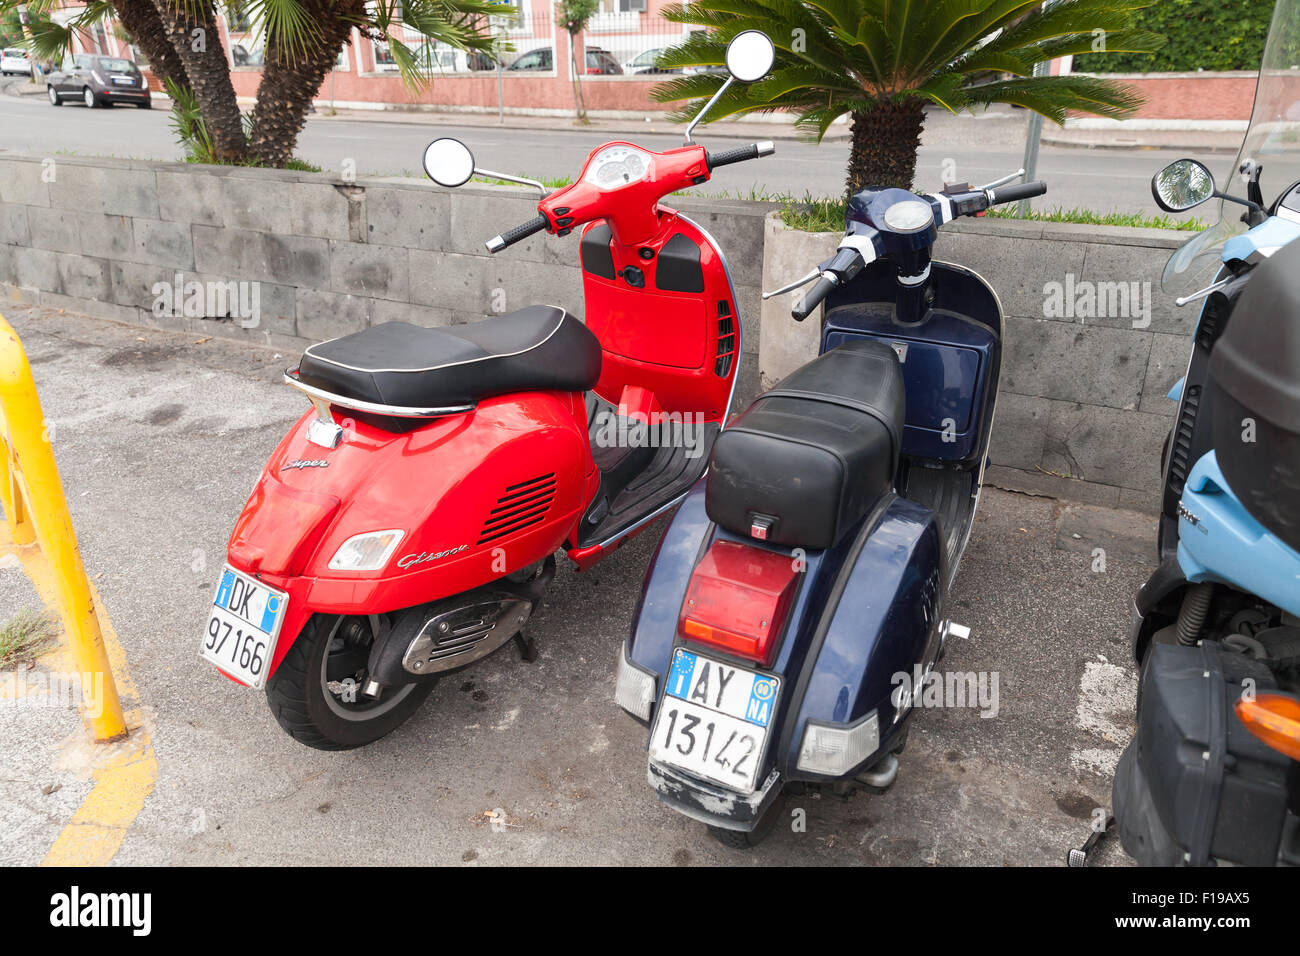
<point x="160" y="435"/>
<point x="1192" y="141"/>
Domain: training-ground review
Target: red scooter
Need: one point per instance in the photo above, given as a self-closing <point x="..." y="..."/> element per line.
<point x="406" y="526"/>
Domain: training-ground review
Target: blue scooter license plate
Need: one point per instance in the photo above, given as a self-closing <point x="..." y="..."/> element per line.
<point x="714" y="720"/>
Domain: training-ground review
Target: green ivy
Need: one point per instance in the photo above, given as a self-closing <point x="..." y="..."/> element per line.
<point x="1200" y="34"/>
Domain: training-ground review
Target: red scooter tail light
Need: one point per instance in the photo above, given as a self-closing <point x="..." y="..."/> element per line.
<point x="738" y="600"/>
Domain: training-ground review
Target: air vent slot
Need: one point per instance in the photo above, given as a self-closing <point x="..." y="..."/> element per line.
<point x="1180" y="453"/>
<point x="522" y="505"/>
<point x="726" y="339"/>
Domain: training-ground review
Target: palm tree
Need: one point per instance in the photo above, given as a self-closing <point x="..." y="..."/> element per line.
<point x="571" y="16"/>
<point x="883" y="61"/>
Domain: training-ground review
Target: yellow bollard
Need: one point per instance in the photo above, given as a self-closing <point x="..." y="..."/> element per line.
<point x="32" y="496"/>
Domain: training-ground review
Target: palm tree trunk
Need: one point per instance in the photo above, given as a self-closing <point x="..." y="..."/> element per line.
<point x="140" y="19"/>
<point x="290" y="80"/>
<point x="884" y="145"/>
<point x="208" y="71"/>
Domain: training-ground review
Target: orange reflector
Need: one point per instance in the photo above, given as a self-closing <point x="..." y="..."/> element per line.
<point x="1274" y="719"/>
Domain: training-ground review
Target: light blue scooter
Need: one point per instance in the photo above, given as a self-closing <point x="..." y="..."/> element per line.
<point x="1212" y="774"/>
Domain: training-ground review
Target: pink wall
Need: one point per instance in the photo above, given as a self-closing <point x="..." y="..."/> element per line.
<point x="1193" y="96"/>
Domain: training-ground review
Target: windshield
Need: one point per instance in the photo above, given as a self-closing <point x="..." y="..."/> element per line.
<point x="1272" y="141"/>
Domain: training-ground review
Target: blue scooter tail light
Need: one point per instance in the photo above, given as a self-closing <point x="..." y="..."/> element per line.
<point x="738" y="600"/>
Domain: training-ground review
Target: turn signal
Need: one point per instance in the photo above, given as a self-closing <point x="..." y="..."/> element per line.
<point x="1274" y="719"/>
<point x="738" y="600"/>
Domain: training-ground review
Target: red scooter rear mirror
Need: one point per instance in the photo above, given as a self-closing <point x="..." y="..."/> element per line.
<point x="750" y="55"/>
<point x="448" y="162"/>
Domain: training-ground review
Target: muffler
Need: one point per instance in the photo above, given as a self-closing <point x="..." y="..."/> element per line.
<point x="464" y="634"/>
<point x="429" y="640"/>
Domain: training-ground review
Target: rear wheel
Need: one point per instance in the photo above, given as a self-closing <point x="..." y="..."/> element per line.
<point x="146" y="105"/>
<point x="316" y="695"/>
<point x="740" y="840"/>
<point x="54" y="96"/>
<point x="88" y="97"/>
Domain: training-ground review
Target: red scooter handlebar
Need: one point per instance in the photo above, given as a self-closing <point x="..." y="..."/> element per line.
<point x="522" y="231"/>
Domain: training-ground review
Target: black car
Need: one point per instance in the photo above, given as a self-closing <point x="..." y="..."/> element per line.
<point x="98" y="81"/>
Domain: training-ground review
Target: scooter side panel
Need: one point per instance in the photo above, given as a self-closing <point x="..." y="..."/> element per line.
<point x="1219" y="540"/>
<point x="883" y="624"/>
<point x="478" y="496"/>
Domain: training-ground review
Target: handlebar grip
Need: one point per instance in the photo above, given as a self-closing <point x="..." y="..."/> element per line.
<point x="813" y="297"/>
<point x="1016" y="192"/>
<point x="511" y="236"/>
<point x="739" y="154"/>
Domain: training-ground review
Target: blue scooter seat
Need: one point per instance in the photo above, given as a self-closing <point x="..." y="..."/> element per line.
<point x="810" y="457"/>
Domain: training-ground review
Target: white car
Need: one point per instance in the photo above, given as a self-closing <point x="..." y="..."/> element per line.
<point x="14" y="62"/>
<point x="644" y="62"/>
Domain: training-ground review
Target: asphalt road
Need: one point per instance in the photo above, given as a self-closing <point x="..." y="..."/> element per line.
<point x="976" y="149"/>
<point x="159" y="437"/>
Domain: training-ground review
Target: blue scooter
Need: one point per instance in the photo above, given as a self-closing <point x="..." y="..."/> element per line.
<point x="1212" y="775"/>
<point x="808" y="570"/>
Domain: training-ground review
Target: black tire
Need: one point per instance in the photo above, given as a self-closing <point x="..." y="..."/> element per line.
<point x="1164" y="456"/>
<point x="301" y="701"/>
<point x="146" y="105"/>
<point x="55" y="99"/>
<point x="740" y="840"/>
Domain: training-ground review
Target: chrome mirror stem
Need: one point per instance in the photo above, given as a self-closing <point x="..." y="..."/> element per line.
<point x="707" y="106"/>
<point x="540" y="187"/>
<point x="793" y="285"/>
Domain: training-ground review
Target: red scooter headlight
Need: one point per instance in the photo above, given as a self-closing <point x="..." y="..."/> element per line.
<point x="738" y="600"/>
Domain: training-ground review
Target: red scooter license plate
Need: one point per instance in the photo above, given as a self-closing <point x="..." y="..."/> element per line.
<point x="243" y="625"/>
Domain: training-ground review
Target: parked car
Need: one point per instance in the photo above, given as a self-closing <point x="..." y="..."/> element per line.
<point x="240" y="55"/>
<point x="599" y="62"/>
<point x="647" y="61"/>
<point x="98" y="81"/>
<point x="14" y="62"/>
<point x="602" y="63"/>
<point x="540" y="59"/>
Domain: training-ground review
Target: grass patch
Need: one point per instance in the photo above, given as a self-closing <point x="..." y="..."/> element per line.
<point x="25" y="636"/>
<point x="1088" y="217"/>
<point x="297" y="163"/>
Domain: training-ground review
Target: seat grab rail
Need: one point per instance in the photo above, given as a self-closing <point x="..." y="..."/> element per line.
<point x="318" y="395"/>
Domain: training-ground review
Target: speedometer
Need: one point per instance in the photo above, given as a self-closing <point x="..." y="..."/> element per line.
<point x="616" y="166"/>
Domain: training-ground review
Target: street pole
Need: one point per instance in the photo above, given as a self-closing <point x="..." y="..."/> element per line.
<point x="1032" y="139"/>
<point x="501" y="111"/>
<point x="24" y="21"/>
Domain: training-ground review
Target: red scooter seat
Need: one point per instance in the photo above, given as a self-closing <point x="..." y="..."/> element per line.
<point x="538" y="348"/>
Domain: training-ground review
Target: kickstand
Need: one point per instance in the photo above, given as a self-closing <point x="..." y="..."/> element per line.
<point x="1079" y="856"/>
<point x="527" y="647"/>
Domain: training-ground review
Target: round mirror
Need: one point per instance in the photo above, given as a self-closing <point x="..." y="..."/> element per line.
<point x="750" y="56"/>
<point x="448" y="162"/>
<point x="1181" y="185"/>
